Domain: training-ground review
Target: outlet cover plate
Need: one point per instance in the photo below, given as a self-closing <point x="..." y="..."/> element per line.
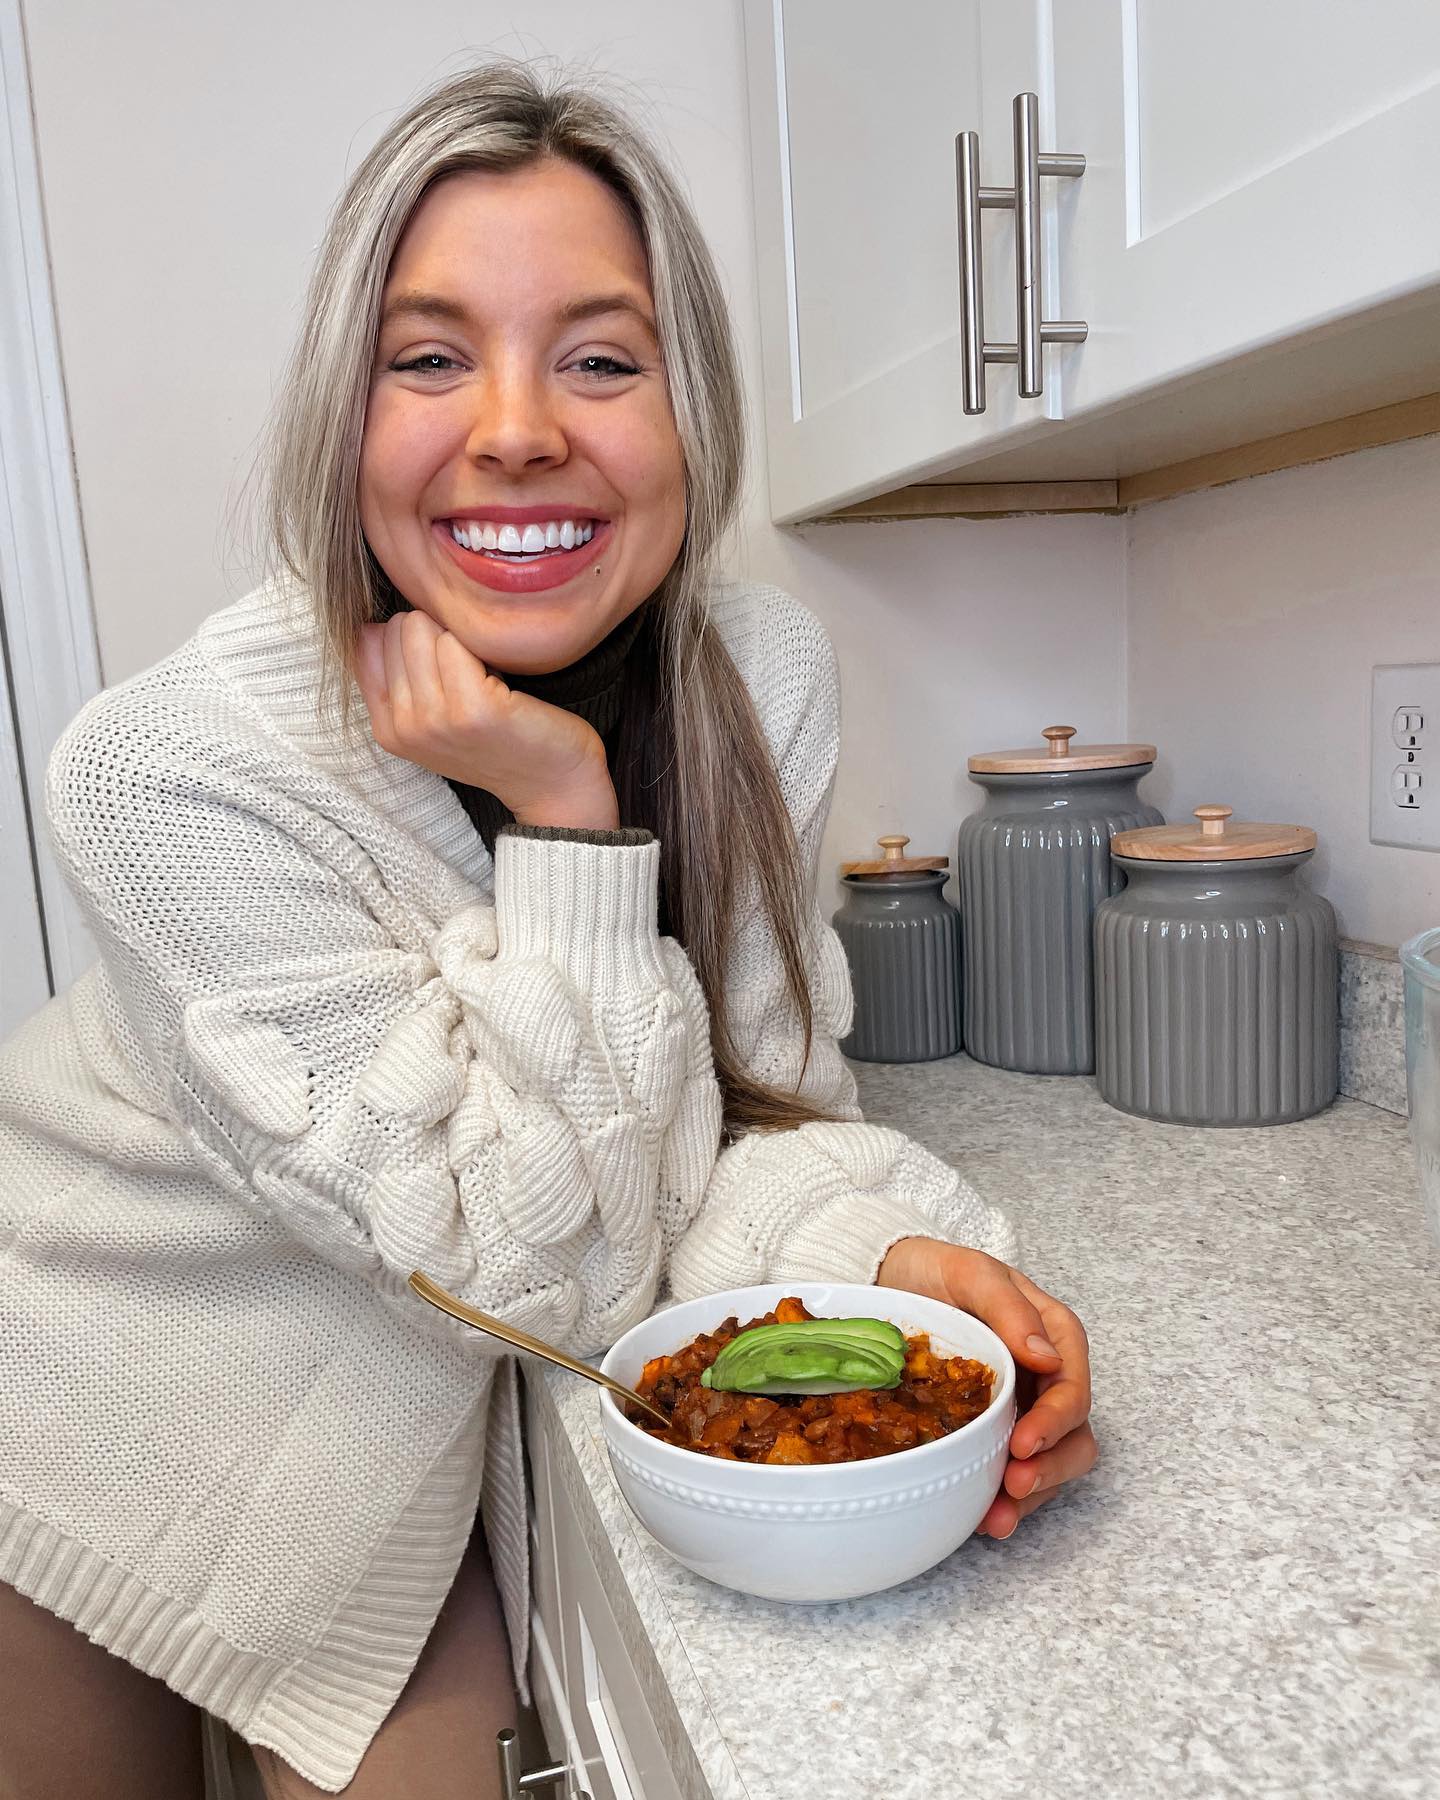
<point x="1405" y="755"/>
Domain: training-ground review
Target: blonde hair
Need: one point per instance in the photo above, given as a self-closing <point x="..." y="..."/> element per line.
<point x="698" y="769"/>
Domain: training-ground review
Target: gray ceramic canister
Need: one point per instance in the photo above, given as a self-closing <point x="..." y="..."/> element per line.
<point x="1034" y="865"/>
<point x="1217" y="977"/>
<point x="902" y="941"/>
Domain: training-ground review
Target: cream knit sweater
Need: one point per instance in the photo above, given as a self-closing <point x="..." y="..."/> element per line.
<point x="328" y="1041"/>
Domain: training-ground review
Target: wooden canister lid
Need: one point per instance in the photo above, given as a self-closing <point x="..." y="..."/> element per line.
<point x="1057" y="755"/>
<point x="1217" y="840"/>
<point x="895" y="861"/>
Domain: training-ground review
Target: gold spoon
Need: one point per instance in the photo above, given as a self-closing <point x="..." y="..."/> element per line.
<point x="522" y="1340"/>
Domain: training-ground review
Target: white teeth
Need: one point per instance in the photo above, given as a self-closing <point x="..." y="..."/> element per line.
<point x="509" y="540"/>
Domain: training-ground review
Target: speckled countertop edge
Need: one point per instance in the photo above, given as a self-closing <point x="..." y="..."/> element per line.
<point x="624" y="1553"/>
<point x="1133" y="1656"/>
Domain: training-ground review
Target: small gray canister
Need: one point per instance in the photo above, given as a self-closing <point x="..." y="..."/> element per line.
<point x="1034" y="865"/>
<point x="1216" y="977"/>
<point x="902" y="941"/>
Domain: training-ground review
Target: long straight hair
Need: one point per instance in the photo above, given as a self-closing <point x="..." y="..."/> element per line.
<point x="693" y="762"/>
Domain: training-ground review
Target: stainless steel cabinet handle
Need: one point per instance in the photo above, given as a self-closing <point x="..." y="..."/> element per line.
<point x="972" y="278"/>
<point x="1033" y="332"/>
<point x="516" y="1782"/>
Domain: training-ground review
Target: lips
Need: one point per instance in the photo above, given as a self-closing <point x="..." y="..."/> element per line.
<point x="551" y="570"/>
<point x="528" y="515"/>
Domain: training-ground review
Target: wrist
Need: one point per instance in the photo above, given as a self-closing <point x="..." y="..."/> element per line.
<point x="593" y="808"/>
<point x="899" y="1262"/>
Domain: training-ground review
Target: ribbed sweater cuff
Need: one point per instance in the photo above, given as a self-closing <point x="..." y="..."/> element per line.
<point x="579" y="834"/>
<point x="592" y="909"/>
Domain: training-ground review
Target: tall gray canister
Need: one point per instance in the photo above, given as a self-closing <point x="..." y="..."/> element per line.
<point x="902" y="941"/>
<point x="1217" y="998"/>
<point x="1034" y="865"/>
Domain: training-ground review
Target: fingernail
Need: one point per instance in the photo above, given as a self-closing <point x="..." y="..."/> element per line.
<point x="1041" y="1345"/>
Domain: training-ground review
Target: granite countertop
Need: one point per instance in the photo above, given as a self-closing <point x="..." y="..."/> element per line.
<point x="1242" y="1599"/>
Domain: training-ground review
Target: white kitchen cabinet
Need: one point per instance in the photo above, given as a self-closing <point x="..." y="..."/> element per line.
<point x="1256" y="172"/>
<point x="854" y="114"/>
<point x="1254" y="244"/>
<point x="586" y="1688"/>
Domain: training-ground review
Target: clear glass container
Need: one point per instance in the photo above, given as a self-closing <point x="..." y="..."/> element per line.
<point x="1421" y="961"/>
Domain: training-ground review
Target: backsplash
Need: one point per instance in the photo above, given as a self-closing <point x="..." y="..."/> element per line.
<point x="1372" y="1026"/>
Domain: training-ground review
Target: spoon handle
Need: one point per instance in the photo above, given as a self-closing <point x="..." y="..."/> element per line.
<point x="522" y="1340"/>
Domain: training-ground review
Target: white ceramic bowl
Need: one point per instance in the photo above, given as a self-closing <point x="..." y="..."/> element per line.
<point x="826" y="1531"/>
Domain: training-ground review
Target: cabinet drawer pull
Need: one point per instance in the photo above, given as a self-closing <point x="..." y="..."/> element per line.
<point x="1033" y="332"/>
<point x="516" y="1782"/>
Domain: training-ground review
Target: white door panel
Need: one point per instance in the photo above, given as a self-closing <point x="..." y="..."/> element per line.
<point x="854" y="116"/>
<point x="1244" y="185"/>
<point x="1227" y="91"/>
<point x="51" y="663"/>
<point x="24" y="976"/>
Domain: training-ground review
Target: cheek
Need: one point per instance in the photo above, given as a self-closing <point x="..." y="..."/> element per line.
<point x="400" y="451"/>
<point x="655" y="471"/>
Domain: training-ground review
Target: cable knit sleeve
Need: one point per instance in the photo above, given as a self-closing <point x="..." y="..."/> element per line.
<point x="826" y="1200"/>
<point x="484" y="1100"/>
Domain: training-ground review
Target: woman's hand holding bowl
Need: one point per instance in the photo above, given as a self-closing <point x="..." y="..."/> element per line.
<point x="434" y="703"/>
<point x="1052" y="1442"/>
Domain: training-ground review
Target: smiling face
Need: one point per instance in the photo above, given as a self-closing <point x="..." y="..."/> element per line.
<point x="517" y="398"/>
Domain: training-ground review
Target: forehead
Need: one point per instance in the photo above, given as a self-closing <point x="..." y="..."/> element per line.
<point x="500" y="237"/>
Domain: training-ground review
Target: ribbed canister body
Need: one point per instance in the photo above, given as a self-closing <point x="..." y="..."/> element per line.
<point x="1217" y="993"/>
<point x="1034" y="864"/>
<point x="902" y="941"/>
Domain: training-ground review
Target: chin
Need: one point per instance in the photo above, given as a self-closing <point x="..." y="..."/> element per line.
<point x="529" y="657"/>
<point x="527" y="660"/>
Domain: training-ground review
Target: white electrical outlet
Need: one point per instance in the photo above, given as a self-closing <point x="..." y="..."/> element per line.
<point x="1405" y="755"/>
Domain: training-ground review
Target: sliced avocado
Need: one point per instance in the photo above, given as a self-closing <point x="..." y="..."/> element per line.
<point x="880" y="1329"/>
<point x="815" y="1356"/>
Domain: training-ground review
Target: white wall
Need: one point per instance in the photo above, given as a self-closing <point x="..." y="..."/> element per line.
<point x="190" y="156"/>
<point x="954" y="635"/>
<point x="1256" y="613"/>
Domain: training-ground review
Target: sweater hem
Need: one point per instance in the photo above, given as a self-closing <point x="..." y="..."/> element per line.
<point x="319" y="1710"/>
<point x="115" y="1609"/>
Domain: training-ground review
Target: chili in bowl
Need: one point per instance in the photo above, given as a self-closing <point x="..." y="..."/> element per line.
<point x="811" y="1497"/>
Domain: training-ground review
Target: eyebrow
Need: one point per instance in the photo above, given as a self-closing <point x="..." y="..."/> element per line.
<point x="412" y="303"/>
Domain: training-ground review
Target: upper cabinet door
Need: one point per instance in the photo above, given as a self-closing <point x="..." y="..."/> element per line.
<point x="1254" y="173"/>
<point x="854" y="114"/>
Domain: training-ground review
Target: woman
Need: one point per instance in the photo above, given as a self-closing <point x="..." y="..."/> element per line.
<point x="408" y="991"/>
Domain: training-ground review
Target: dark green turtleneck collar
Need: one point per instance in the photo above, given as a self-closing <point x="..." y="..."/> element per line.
<point x="592" y="688"/>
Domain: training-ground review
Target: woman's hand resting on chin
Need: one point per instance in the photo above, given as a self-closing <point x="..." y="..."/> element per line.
<point x="1052" y="1442"/>
<point x="434" y="703"/>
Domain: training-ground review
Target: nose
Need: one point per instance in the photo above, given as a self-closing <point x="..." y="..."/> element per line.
<point x="516" y="426"/>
